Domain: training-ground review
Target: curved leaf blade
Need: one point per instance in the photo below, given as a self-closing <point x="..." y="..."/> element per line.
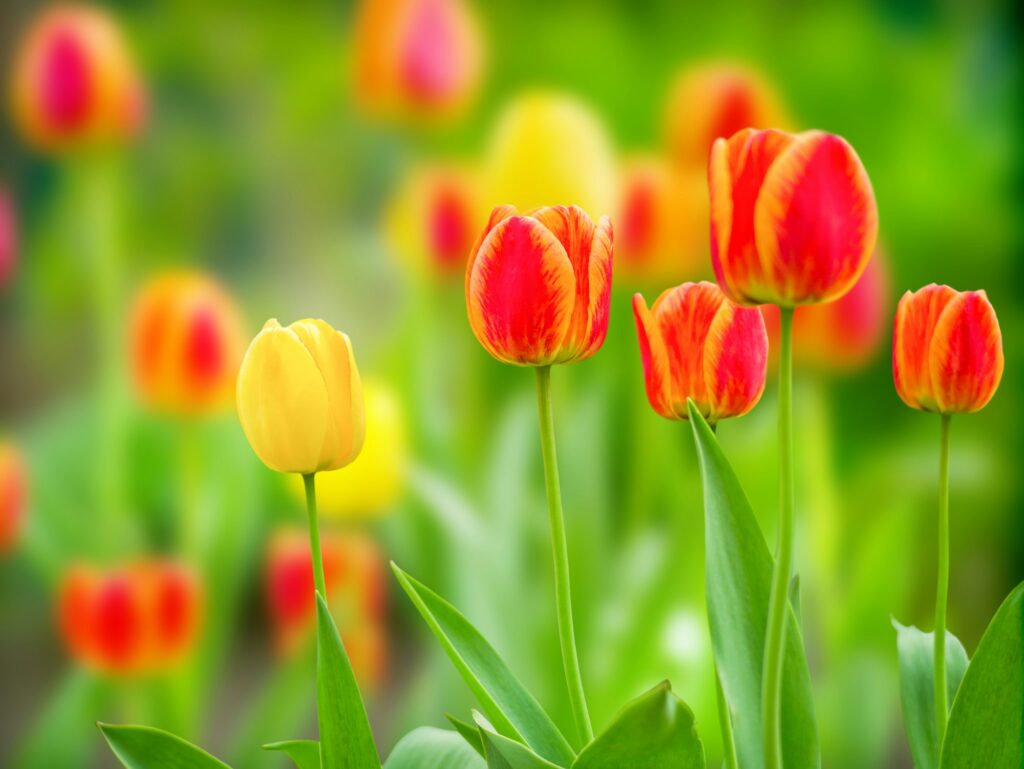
<point x="506" y="702"/>
<point x="430" y="748"/>
<point x="739" y="571"/>
<point x="986" y="724"/>
<point x="469" y="733"/>
<point x="503" y="753"/>
<point x="143" y="747"/>
<point x="305" y="754"/>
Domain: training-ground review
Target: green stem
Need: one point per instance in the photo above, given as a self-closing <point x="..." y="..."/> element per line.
<point x="314" y="535"/>
<point x="942" y="586"/>
<point x="563" y="597"/>
<point x="725" y="721"/>
<point x="775" y="641"/>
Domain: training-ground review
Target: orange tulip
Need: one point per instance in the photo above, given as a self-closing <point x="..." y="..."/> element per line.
<point x="947" y="351"/>
<point x="793" y="217"/>
<point x="138" y="619"/>
<point x="8" y="237"/>
<point x="538" y="285"/>
<point x="418" y="57"/>
<point x="697" y="345"/>
<point x="13" y="494"/>
<point x="187" y="343"/>
<point x="74" y="81"/>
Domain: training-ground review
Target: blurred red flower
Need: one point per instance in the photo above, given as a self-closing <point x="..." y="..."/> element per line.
<point x="13" y="494"/>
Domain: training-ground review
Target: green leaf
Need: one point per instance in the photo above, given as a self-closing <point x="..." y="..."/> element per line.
<point x="503" y="753"/>
<point x="142" y="747"/>
<point x="794" y="596"/>
<point x="985" y="725"/>
<point x="917" y="688"/>
<point x="429" y="748"/>
<point x="346" y="741"/>
<point x="305" y="754"/>
<point x="739" y="571"/>
<point x="469" y="733"/>
<point x="654" y="731"/>
<point x="506" y="702"/>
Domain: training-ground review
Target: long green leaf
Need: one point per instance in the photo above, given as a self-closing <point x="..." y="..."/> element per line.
<point x="503" y="753"/>
<point x="142" y="747"/>
<point x="305" y="754"/>
<point x="429" y="748"/>
<point x="986" y="729"/>
<point x="917" y="688"/>
<point x="346" y="741"/>
<point x="739" y="570"/>
<point x="469" y="733"/>
<point x="506" y="702"/>
<point x="654" y="731"/>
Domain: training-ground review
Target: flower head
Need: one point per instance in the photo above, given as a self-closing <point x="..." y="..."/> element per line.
<point x="13" y="494"/>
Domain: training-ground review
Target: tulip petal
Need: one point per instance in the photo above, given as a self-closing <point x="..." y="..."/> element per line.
<point x="600" y="284"/>
<point x="685" y="315"/>
<point x="498" y="214"/>
<point x="653" y="356"/>
<point x="966" y="354"/>
<point x="520" y="296"/>
<point x="815" y="220"/>
<point x="916" y="317"/>
<point x="735" y="360"/>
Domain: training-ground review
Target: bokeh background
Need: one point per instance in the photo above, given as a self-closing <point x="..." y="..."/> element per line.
<point x="336" y="161"/>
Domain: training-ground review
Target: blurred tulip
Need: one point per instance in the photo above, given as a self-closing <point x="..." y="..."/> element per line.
<point x="432" y="220"/>
<point x="538" y="285"/>
<point x="74" y="81"/>
<point x="696" y="344"/>
<point x="187" y="343"/>
<point x="947" y="352"/>
<point x="138" y="619"/>
<point x="374" y="482"/>
<point x="355" y="575"/>
<point x="417" y="57"/>
<point x="8" y="237"/>
<point x="550" y="147"/>
<point x="793" y="217"/>
<point x="713" y="101"/>
<point x="300" y="399"/>
<point x="13" y="494"/>
<point x="843" y="335"/>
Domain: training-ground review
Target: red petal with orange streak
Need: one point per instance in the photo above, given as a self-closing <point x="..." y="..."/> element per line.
<point x="654" y="358"/>
<point x="916" y="317"/>
<point x="498" y="213"/>
<point x="600" y="283"/>
<point x="735" y="360"/>
<point x="966" y="355"/>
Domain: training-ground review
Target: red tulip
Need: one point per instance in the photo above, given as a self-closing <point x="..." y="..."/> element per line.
<point x="793" y="217"/>
<point x="947" y="352"/>
<point x="8" y="237"/>
<point x="697" y="345"/>
<point x="13" y="494"/>
<point x="538" y="285"/>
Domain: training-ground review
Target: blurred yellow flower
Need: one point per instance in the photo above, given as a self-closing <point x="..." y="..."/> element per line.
<point x="549" y="148"/>
<point x="300" y="400"/>
<point x="374" y="482"/>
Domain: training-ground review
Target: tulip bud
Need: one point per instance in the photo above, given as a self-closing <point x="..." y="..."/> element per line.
<point x="13" y="494"/>
<point x="187" y="343"/>
<point x="947" y="351"/>
<point x="538" y="285"/>
<point x="793" y="217"/>
<point x="549" y="147"/>
<point x="417" y="57"/>
<point x="8" y="237"/>
<point x="697" y="345"/>
<point x="74" y="81"/>
<point x="300" y="399"/>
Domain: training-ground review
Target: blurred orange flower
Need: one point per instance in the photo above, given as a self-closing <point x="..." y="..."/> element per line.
<point x="13" y="494"/>
<point x="74" y="81"/>
<point x="8" y="237"/>
<point x="417" y="57"/>
<point x="696" y="344"/>
<point x="538" y="285"/>
<point x="137" y="619"/>
<point x="187" y="343"/>
<point x="947" y="350"/>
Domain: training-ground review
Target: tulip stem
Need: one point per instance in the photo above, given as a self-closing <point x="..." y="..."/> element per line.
<point x="563" y="594"/>
<point x="942" y="587"/>
<point x="775" y="640"/>
<point x="314" y="535"/>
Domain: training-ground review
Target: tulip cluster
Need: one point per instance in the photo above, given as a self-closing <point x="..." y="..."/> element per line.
<point x="13" y="494"/>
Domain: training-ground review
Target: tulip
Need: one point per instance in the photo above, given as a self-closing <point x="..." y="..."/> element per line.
<point x="538" y="285"/>
<point x="547" y="147"/>
<point x="793" y="217"/>
<point x="299" y="397"/>
<point x="138" y="619"/>
<point x="187" y="343"/>
<point x="417" y="57"/>
<point x="697" y="345"/>
<point x="8" y="237"/>
<point x="947" y="353"/>
<point x="13" y="494"/>
<point x="713" y="101"/>
<point x="74" y="81"/>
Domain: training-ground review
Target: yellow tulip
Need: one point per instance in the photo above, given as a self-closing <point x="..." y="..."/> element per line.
<point x="300" y="399"/>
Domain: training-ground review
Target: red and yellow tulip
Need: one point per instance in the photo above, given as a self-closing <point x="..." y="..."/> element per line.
<point x="8" y="237"/>
<point x="793" y="217"/>
<point x="74" y="81"/>
<point x="13" y="494"/>
<point x="538" y="285"/>
<point x="947" y="352"/>
<point x="697" y="345"/>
